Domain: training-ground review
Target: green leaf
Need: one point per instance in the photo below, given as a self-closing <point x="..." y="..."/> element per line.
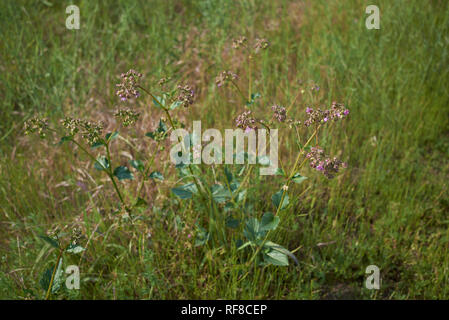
<point x="156" y="175"/>
<point x="240" y="247"/>
<point x="137" y="164"/>
<point x="276" y="199"/>
<point x="277" y="258"/>
<point x="220" y="194"/>
<point x="298" y="178"/>
<point x="281" y="249"/>
<point x="185" y="191"/>
<point x="65" y="139"/>
<point x="269" y="222"/>
<point x="280" y="172"/>
<point x="53" y="242"/>
<point x="241" y="196"/>
<point x="102" y="163"/>
<point x="75" y="248"/>
<point x="97" y="144"/>
<point x="57" y="281"/>
<point x="201" y="236"/>
<point x="140" y="203"/>
<point x="252" y="230"/>
<point x="254" y="96"/>
<point x="123" y="173"/>
<point x="234" y="185"/>
<point x="232" y="223"/>
<point x="175" y="104"/>
<point x="157" y="104"/>
<point x="111" y="136"/>
<point x="46" y="278"/>
<point x="182" y="193"/>
<point x="228" y="175"/>
<point x="161" y="128"/>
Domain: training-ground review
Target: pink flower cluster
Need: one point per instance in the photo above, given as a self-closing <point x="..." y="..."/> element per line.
<point x="127" y="88"/>
<point x="337" y="111"/>
<point x="224" y="77"/>
<point x="328" y="166"/>
<point x="186" y="95"/>
<point x="246" y="121"/>
<point x="279" y="113"/>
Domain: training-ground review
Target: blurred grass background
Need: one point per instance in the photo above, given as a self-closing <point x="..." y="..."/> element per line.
<point x="389" y="208"/>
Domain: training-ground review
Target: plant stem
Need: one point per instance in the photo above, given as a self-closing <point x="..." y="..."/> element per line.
<point x="292" y="173"/>
<point x="147" y="169"/>
<point x="238" y="90"/>
<point x="108" y="171"/>
<point x="111" y="174"/>
<point x="47" y="296"/>
<point x="249" y="77"/>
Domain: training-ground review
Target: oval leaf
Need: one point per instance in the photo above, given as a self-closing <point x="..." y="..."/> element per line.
<point x="123" y="173"/>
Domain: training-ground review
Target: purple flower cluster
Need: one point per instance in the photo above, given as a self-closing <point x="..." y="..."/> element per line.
<point x="127" y="88"/>
<point x="186" y="95"/>
<point x="246" y="121"/>
<point x="328" y="166"/>
<point x="280" y="113"/>
<point x="337" y="111"/>
<point x="224" y="77"/>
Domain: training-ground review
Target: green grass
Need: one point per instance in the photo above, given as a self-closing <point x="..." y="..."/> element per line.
<point x="389" y="208"/>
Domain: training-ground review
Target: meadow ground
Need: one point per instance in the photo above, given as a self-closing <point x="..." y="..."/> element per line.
<point x="388" y="208"/>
